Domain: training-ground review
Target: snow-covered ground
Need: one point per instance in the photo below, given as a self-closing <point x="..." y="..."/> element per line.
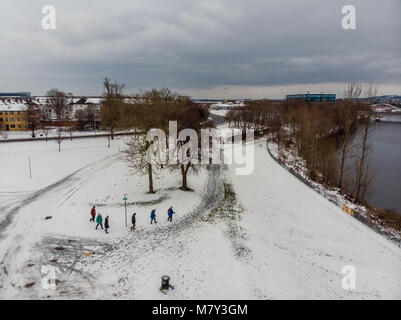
<point x="263" y="236"/>
<point x="221" y="113"/>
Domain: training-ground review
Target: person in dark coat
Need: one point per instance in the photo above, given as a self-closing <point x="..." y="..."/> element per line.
<point x="153" y="216"/>
<point x="133" y="221"/>
<point x="93" y="214"/>
<point x="99" y="221"/>
<point x="170" y="213"/>
<point x="106" y="224"/>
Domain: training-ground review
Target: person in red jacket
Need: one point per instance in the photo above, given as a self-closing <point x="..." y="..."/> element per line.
<point x="93" y="214"/>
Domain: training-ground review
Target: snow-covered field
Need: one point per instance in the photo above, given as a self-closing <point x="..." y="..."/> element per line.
<point x="262" y="236"/>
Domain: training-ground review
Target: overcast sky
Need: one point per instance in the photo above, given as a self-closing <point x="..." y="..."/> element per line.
<point x="207" y="48"/>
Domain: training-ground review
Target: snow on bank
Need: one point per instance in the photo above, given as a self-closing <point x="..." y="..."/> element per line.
<point x="297" y="165"/>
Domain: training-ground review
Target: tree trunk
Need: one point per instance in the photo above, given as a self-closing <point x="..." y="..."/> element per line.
<point x="343" y="156"/>
<point x="112" y="133"/>
<point x="150" y="173"/>
<point x="184" y="173"/>
<point x="184" y="177"/>
<point x="361" y="163"/>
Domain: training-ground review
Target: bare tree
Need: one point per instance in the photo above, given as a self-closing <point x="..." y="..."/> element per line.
<point x="353" y="91"/>
<point x="348" y="115"/>
<point x="154" y="109"/>
<point x="137" y="157"/>
<point x="366" y="119"/>
<point x="81" y="119"/>
<point x="59" y="139"/>
<point x="33" y="119"/>
<point x="58" y="103"/>
<point x="113" y="100"/>
<point x="149" y="110"/>
<point x="91" y="114"/>
<point x="188" y="116"/>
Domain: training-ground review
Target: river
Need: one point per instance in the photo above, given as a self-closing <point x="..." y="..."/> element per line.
<point x="386" y="160"/>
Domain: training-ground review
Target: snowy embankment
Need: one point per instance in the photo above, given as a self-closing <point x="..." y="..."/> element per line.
<point x="296" y="165"/>
<point x="300" y="241"/>
<point x="267" y="236"/>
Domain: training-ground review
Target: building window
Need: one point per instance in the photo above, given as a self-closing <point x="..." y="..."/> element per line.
<point x="11" y="112"/>
<point x="12" y="126"/>
<point x="1" y="119"/>
<point x="19" y="126"/>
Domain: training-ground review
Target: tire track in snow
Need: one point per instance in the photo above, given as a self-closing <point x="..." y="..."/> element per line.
<point x="83" y="174"/>
<point x="93" y="167"/>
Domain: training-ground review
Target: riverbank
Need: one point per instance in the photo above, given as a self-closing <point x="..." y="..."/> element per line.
<point x="376" y="220"/>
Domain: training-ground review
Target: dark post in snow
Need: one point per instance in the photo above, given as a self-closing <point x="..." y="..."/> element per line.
<point x="125" y="205"/>
<point x="165" y="282"/>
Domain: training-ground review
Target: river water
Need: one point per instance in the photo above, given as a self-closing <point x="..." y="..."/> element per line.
<point x="386" y="160"/>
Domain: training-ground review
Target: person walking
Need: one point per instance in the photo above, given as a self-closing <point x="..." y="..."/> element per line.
<point x="153" y="216"/>
<point x="170" y="213"/>
<point x="133" y="221"/>
<point x="99" y="221"/>
<point x="93" y="214"/>
<point x="106" y="224"/>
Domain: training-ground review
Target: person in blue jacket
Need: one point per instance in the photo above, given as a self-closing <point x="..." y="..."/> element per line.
<point x="170" y="213"/>
<point x="153" y="216"/>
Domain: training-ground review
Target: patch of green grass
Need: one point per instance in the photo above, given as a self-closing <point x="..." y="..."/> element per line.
<point x="228" y="207"/>
<point x="229" y="210"/>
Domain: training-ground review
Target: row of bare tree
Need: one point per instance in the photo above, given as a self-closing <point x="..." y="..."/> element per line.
<point x="147" y="110"/>
<point x="331" y="138"/>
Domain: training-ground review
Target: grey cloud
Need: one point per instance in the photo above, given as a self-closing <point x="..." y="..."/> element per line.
<point x="197" y="45"/>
